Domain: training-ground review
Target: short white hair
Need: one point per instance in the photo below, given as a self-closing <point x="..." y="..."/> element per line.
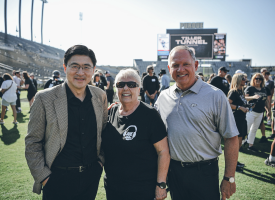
<point x="128" y="73"/>
<point x="181" y="47"/>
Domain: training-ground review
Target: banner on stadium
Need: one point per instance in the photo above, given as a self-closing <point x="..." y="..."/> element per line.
<point x="201" y="44"/>
<point x="219" y="46"/>
<point x="163" y="46"/>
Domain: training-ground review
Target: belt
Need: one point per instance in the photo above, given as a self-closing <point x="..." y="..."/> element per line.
<point x="79" y="168"/>
<point x="195" y="164"/>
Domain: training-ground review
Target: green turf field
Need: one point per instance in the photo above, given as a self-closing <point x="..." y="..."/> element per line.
<point x="257" y="181"/>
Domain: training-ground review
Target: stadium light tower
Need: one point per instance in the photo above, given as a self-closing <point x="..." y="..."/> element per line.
<point x="32" y="20"/>
<point x="19" y="20"/>
<point x="44" y="1"/>
<point x="6" y="29"/>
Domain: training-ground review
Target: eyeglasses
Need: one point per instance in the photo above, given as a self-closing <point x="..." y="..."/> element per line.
<point x="244" y="79"/>
<point x="130" y="84"/>
<point x="75" y="68"/>
<point x="259" y="79"/>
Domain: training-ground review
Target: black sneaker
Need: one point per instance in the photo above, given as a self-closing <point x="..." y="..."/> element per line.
<point x="272" y="136"/>
<point x="263" y="140"/>
<point x="239" y="169"/>
<point x="252" y="148"/>
<point x="241" y="165"/>
<point x="269" y="163"/>
<point x="241" y="149"/>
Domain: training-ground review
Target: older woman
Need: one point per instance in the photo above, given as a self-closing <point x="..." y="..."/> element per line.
<point x="8" y="89"/>
<point x="135" y="145"/>
<point x="258" y="94"/>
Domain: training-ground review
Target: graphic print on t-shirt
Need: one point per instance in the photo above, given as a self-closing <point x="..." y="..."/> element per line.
<point x="130" y="133"/>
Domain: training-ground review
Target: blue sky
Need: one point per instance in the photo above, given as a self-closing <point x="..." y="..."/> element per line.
<point x="120" y="31"/>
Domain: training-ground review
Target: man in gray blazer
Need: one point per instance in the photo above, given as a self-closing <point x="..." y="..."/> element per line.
<point x="63" y="144"/>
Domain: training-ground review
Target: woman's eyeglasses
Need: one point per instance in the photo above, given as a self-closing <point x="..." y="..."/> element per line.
<point x="244" y="79"/>
<point x="130" y="84"/>
<point x="259" y="79"/>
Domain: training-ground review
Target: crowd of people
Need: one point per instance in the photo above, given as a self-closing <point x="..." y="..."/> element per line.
<point x="11" y="87"/>
<point x="169" y="139"/>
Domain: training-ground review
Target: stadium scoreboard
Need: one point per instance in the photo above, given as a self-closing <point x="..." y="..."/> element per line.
<point x="205" y="43"/>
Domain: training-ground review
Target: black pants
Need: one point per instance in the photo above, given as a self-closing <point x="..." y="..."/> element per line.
<point x="18" y="102"/>
<point x="196" y="183"/>
<point x="72" y="184"/>
<point x="141" y="191"/>
<point x="110" y="95"/>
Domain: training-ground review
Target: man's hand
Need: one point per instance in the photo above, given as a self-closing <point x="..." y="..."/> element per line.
<point x="152" y="96"/>
<point x="45" y="181"/>
<point x="112" y="105"/>
<point x="227" y="189"/>
<point x="160" y="193"/>
<point x="268" y="114"/>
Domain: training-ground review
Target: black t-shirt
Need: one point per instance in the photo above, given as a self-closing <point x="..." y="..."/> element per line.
<point x="31" y="90"/>
<point x="220" y="83"/>
<point x="151" y="84"/>
<point x="128" y="145"/>
<point x="260" y="103"/>
<point x="238" y="100"/>
<point x="53" y="82"/>
<point x="269" y="84"/>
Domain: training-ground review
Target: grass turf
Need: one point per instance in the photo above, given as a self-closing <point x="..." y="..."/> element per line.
<point x="257" y="181"/>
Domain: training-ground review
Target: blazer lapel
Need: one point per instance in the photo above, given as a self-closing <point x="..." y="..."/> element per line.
<point x="61" y="108"/>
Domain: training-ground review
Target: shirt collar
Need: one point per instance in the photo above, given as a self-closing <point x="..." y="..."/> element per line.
<point x="195" y="88"/>
<point x="71" y="95"/>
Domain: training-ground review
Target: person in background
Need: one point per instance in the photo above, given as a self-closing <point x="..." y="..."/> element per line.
<point x="33" y="80"/>
<point x="258" y="94"/>
<point x="19" y="82"/>
<point x="228" y="77"/>
<point x="29" y="86"/>
<point x="164" y="80"/>
<point x="56" y="80"/>
<point x="102" y="79"/>
<point x="8" y="89"/>
<point x="135" y="147"/>
<point x="150" y="86"/>
<point x="1" y="81"/>
<point x="211" y="77"/>
<point x="270" y="161"/>
<point x="197" y="116"/>
<point x="97" y="81"/>
<point x="220" y="82"/>
<point x="239" y="107"/>
<point x="109" y="87"/>
<point x="141" y="87"/>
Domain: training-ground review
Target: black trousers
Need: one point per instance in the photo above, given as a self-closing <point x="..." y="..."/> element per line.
<point x="18" y="102"/>
<point x="196" y="183"/>
<point x="72" y="184"/>
<point x="140" y="191"/>
<point x="110" y="95"/>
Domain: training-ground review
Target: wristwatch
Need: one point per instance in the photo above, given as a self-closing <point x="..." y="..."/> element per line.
<point x="162" y="185"/>
<point x="229" y="179"/>
<point x="238" y="107"/>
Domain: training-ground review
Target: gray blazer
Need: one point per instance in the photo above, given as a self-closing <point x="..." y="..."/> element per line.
<point x="48" y="127"/>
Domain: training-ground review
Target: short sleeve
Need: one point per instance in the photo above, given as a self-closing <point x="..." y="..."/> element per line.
<point x="232" y="95"/>
<point x="157" y="129"/>
<point x="268" y="92"/>
<point x="248" y="90"/>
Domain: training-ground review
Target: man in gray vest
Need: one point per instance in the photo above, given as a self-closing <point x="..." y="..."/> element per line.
<point x="197" y="116"/>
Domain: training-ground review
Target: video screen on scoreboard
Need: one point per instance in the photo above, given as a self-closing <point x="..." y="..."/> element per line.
<point x="219" y="46"/>
<point x="201" y="44"/>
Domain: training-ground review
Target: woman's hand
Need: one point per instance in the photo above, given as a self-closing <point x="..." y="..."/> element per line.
<point x="256" y="96"/>
<point x="160" y="193"/>
<point x="245" y="110"/>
